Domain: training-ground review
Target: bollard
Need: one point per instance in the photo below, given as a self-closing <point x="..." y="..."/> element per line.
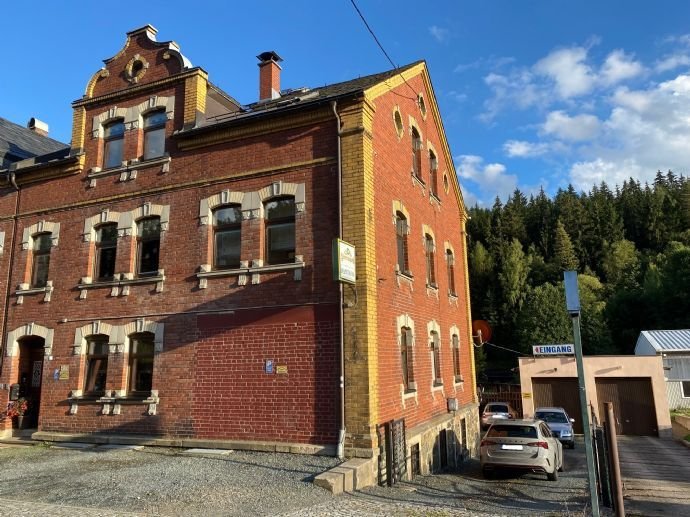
<point x="615" y="464"/>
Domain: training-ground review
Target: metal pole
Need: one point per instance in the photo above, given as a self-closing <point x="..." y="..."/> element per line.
<point x="615" y="464"/>
<point x="594" y="497"/>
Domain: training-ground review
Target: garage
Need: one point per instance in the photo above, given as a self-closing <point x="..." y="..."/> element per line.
<point x="559" y="392"/>
<point x="633" y="404"/>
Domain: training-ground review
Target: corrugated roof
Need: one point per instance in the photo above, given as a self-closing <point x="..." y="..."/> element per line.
<point x="18" y="143"/>
<point x="669" y="340"/>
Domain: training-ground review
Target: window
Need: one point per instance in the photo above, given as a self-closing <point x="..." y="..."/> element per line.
<point x="227" y="222"/>
<point x="280" y="230"/>
<point x="141" y="364"/>
<point x="106" y="250"/>
<point x="685" y="385"/>
<point x="406" y="359"/>
<point x="435" y="345"/>
<point x="148" y="245"/>
<point x="450" y="265"/>
<point x="433" y="178"/>
<point x="154" y="134"/>
<point x="96" y="365"/>
<point x="430" y="252"/>
<point x="113" y="144"/>
<point x="456" y="358"/>
<point x="41" y="259"/>
<point x="401" y="231"/>
<point x="416" y="154"/>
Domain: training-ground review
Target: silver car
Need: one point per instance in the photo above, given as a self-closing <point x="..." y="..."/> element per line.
<point x="497" y="411"/>
<point x="521" y="444"/>
<point x="559" y="422"/>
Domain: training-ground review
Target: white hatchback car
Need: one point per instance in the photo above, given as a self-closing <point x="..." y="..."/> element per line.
<point x="521" y="444"/>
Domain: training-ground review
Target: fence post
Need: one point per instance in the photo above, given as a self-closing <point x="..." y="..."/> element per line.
<point x="615" y="464"/>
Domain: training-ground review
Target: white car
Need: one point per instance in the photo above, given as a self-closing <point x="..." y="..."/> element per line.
<point x="521" y="444"/>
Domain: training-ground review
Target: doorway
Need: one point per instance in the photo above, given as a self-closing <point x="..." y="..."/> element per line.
<point x="30" y="376"/>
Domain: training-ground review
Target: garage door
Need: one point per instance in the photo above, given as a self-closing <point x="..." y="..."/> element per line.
<point x="633" y="404"/>
<point x="559" y="392"/>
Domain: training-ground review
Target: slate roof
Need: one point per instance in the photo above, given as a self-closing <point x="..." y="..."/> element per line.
<point x="18" y="143"/>
<point x="668" y="340"/>
<point x="302" y="97"/>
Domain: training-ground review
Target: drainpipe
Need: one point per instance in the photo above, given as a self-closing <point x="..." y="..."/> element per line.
<point x="341" y="435"/>
<point x="12" y="180"/>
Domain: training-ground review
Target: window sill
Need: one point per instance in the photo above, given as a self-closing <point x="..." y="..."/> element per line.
<point x="409" y="393"/>
<point x="247" y="271"/>
<point x="418" y="180"/>
<point x="432" y="286"/>
<point x="27" y="290"/>
<point x="437" y="385"/>
<point x="458" y="379"/>
<point x="434" y="197"/>
<point x="112" y="405"/>
<point x="129" y="170"/>
<point x="120" y="284"/>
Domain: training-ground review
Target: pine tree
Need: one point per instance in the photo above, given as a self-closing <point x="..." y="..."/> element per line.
<point x="563" y="253"/>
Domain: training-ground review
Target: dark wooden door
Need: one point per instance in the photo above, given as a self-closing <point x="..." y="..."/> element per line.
<point x="633" y="405"/>
<point x="31" y="357"/>
<point x="559" y="392"/>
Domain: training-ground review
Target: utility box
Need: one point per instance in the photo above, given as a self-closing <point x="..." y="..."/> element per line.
<point x="14" y="391"/>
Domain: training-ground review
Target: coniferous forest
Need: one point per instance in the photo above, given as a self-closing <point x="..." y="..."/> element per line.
<point x="630" y="246"/>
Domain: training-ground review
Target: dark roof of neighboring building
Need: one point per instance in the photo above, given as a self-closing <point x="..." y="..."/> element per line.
<point x="306" y="96"/>
<point x="18" y="143"/>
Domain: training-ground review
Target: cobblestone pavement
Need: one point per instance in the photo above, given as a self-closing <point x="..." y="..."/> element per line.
<point x="93" y="482"/>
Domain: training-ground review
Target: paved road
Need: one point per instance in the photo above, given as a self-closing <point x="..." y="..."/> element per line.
<point x="656" y="476"/>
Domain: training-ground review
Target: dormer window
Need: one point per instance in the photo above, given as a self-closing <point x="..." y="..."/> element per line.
<point x="154" y="134"/>
<point x="113" y="136"/>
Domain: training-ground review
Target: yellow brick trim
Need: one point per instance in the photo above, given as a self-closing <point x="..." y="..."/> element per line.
<point x="78" y="128"/>
<point x="395" y="81"/>
<point x="466" y="304"/>
<point x="194" y="97"/>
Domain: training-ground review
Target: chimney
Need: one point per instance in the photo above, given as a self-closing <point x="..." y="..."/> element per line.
<point x="269" y="75"/>
<point x="38" y="126"/>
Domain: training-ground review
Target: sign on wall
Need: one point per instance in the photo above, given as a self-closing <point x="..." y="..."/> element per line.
<point x="567" y="349"/>
<point x="344" y="266"/>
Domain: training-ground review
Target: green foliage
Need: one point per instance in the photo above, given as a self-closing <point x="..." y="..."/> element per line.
<point x="563" y="252"/>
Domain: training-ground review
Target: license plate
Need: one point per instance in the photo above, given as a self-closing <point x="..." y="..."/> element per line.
<point x="511" y="447"/>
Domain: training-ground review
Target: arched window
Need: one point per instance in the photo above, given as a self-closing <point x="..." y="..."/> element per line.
<point x="148" y="246"/>
<point x="106" y="251"/>
<point x="433" y="178"/>
<point x="456" y="358"/>
<point x="435" y="345"/>
<point x="113" y="138"/>
<point x="154" y="134"/>
<point x="42" y="245"/>
<point x="141" y="353"/>
<point x="401" y="232"/>
<point x="430" y="255"/>
<point x="416" y="154"/>
<point x="280" y="230"/>
<point x="227" y="224"/>
<point x="450" y="265"/>
<point x="406" y="359"/>
<point x="96" y="365"/>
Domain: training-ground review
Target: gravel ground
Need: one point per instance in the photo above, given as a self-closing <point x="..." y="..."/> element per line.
<point x="153" y="481"/>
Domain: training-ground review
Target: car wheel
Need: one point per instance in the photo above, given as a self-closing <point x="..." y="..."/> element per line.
<point x="562" y="467"/>
<point x="552" y="476"/>
<point x="487" y="473"/>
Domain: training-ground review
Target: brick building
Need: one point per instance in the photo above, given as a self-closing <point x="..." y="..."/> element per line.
<point x="168" y="277"/>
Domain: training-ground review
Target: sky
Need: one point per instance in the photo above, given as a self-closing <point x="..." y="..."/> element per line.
<point x="533" y="93"/>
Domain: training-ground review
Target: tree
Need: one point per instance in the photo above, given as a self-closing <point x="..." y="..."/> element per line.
<point x="563" y="252"/>
<point x="513" y="276"/>
<point x="543" y="319"/>
<point x="621" y="264"/>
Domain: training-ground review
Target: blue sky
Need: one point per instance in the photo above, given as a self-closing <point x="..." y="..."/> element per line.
<point x="533" y="93"/>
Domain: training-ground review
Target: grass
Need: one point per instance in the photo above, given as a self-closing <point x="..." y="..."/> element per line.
<point x="680" y="412"/>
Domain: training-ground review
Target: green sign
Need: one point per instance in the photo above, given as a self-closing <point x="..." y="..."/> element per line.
<point x="344" y="267"/>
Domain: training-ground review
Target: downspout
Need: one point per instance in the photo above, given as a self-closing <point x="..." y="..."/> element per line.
<point x="341" y="435"/>
<point x="3" y="336"/>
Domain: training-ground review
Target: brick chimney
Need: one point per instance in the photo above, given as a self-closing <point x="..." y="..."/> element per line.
<point x="269" y="75"/>
<point x="38" y="126"/>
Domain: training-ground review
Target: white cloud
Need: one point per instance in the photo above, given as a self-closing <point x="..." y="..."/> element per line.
<point x="577" y="128"/>
<point x="522" y="149"/>
<point x="585" y="174"/>
<point x="518" y="89"/>
<point x="491" y="179"/>
<point x="439" y="34"/>
<point x="618" y="67"/>
<point x="635" y="100"/>
<point x="672" y="62"/>
<point x="568" y="69"/>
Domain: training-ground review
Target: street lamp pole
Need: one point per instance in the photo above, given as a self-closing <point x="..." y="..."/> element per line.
<point x="572" y="301"/>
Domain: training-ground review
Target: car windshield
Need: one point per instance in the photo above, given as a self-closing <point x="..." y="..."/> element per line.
<point x="512" y="431"/>
<point x="554" y="417"/>
<point x="496" y="408"/>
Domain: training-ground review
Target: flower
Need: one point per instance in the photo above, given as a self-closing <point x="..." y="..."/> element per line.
<point x="17" y="407"/>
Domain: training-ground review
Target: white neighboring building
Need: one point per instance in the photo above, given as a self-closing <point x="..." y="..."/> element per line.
<point x="674" y="348"/>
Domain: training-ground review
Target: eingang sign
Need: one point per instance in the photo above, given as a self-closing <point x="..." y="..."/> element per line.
<point x="568" y="349"/>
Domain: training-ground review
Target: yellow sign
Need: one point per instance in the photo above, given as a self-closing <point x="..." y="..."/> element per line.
<point x="281" y="369"/>
<point x="526" y="395"/>
<point x="64" y="372"/>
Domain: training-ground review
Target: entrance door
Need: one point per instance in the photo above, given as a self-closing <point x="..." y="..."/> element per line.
<point x="559" y="392"/>
<point x="31" y="356"/>
<point x="633" y="404"/>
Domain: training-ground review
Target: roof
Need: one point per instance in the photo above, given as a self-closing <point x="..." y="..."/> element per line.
<point x="304" y="97"/>
<point x="18" y="143"/>
<point x="668" y="340"/>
